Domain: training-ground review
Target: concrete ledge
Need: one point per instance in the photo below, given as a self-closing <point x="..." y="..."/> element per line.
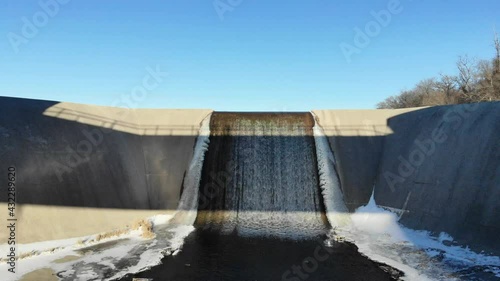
<point x="40" y="223"/>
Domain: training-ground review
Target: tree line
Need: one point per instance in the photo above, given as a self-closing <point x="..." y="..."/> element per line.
<point x="475" y="81"/>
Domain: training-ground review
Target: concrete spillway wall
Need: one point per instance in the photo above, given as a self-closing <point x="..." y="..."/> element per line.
<point x="439" y="166"/>
<point x="85" y="169"/>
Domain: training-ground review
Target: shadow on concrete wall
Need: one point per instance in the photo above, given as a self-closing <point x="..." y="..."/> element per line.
<point x="442" y="167"/>
<point x="70" y="163"/>
<point x="453" y="187"/>
<point x="439" y="169"/>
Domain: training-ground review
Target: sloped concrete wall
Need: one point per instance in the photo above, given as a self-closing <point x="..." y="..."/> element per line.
<point x="88" y="160"/>
<point x="440" y="165"/>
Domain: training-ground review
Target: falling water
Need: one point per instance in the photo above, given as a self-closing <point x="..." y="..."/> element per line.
<point x="329" y="182"/>
<point x="188" y="204"/>
<point x="260" y="176"/>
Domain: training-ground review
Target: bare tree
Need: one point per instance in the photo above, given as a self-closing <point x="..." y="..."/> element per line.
<point x="466" y="79"/>
<point x="496" y="73"/>
<point x="388" y="103"/>
<point x="497" y="53"/>
<point x="429" y="93"/>
<point x="486" y="85"/>
<point x="447" y="85"/>
<point x="476" y="81"/>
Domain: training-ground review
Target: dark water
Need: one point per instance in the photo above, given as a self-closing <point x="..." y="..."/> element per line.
<point x="261" y="214"/>
<point x="210" y="256"/>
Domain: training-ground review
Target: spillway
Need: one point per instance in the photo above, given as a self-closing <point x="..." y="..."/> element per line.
<point x="260" y="176"/>
<point x="261" y="212"/>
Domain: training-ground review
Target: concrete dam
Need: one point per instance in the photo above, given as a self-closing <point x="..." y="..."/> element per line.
<point x="256" y="196"/>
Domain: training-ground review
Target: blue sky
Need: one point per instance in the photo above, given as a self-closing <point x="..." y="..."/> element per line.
<point x="254" y="55"/>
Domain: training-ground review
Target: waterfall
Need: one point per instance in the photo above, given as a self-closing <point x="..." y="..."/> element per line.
<point x="260" y="176"/>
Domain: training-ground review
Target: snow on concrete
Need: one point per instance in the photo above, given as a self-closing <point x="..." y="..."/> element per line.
<point x="95" y="256"/>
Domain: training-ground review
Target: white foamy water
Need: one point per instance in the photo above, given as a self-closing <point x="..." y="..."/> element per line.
<point x="188" y="204"/>
<point x="379" y="236"/>
<point x="420" y="255"/>
<point x="336" y="210"/>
